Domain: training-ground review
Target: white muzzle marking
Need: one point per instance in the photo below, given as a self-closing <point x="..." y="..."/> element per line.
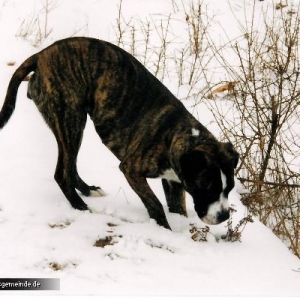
<point x="217" y="207"/>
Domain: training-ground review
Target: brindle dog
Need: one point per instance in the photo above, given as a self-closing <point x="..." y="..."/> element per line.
<point x="137" y="118"/>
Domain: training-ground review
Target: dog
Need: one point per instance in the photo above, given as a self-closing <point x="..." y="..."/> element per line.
<point x="146" y="127"/>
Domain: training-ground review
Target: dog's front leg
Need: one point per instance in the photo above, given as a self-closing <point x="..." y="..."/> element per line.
<point x="175" y="196"/>
<point x="140" y="185"/>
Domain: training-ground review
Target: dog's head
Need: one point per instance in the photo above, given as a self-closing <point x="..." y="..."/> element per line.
<point x="207" y="173"/>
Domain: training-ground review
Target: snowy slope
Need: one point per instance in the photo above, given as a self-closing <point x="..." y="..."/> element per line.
<point x="42" y="236"/>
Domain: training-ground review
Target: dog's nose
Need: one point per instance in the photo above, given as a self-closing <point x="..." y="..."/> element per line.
<point x="223" y="216"/>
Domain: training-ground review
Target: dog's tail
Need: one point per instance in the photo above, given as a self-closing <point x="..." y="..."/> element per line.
<point x="8" y="108"/>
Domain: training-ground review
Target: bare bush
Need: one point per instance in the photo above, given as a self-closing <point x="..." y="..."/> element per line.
<point x="36" y="28"/>
<point x="183" y="53"/>
<point x="147" y="40"/>
<point x="263" y="119"/>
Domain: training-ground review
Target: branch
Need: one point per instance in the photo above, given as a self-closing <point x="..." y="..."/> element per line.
<point x="277" y="184"/>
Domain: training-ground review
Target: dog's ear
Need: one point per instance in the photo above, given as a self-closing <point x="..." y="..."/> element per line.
<point x="193" y="161"/>
<point x="230" y="156"/>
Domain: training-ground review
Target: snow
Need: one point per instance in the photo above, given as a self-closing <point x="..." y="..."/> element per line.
<point x="42" y="236"/>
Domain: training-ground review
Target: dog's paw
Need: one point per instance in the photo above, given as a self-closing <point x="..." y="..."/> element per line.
<point x="97" y="192"/>
<point x="80" y="205"/>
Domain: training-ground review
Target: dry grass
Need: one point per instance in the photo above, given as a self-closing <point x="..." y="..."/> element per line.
<point x="232" y="235"/>
<point x="36" y="29"/>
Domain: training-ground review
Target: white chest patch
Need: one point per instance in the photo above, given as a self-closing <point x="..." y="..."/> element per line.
<point x="170" y="175"/>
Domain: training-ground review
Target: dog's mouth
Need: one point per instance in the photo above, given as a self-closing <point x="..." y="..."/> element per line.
<point x="217" y="218"/>
<point x="217" y="212"/>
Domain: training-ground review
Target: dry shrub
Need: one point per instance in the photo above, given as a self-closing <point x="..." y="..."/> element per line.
<point x="200" y="234"/>
<point x="263" y="120"/>
<point x="36" y="29"/>
<point x="235" y="234"/>
<point x="183" y="54"/>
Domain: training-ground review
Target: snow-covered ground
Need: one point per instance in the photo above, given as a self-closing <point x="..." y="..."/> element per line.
<point x="42" y="236"/>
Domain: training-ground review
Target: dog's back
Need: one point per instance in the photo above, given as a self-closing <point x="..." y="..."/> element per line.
<point x="110" y="85"/>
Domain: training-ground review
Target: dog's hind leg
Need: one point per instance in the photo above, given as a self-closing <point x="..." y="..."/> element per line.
<point x="175" y="196"/>
<point x="88" y="190"/>
<point x="68" y="126"/>
<point x="68" y="130"/>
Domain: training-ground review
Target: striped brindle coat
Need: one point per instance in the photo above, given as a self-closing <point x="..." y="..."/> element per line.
<point x="147" y="128"/>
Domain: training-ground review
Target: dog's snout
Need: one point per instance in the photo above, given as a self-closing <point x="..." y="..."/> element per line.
<point x="223" y="216"/>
